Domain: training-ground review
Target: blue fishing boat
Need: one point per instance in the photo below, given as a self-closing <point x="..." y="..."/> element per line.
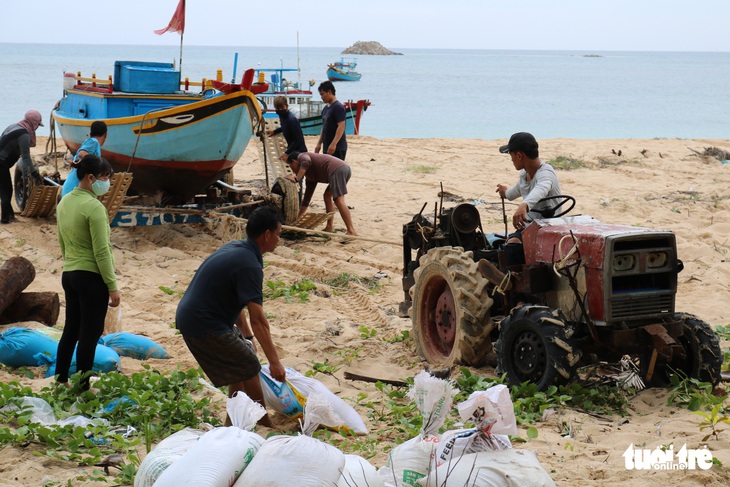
<point x="302" y="102"/>
<point x="175" y="140"/>
<point x="343" y="70"/>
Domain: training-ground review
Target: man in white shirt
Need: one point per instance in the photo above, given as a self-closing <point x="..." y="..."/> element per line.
<point x="537" y="181"/>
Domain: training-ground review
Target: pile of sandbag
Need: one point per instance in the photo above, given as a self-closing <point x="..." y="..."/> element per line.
<point x="212" y="459"/>
<point x="27" y="347"/>
<point x="478" y="456"/>
<point x="234" y="455"/>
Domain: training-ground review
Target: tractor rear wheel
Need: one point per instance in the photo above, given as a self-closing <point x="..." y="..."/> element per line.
<point x="534" y="345"/>
<point x="450" y="311"/>
<point x="703" y="356"/>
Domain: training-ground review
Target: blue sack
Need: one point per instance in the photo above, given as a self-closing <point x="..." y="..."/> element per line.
<point x="19" y="347"/>
<point x="105" y="360"/>
<point x="135" y="346"/>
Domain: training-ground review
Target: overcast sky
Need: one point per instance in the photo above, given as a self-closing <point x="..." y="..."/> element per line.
<point x="593" y="25"/>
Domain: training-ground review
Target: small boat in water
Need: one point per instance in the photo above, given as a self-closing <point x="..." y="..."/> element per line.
<point x="343" y="70"/>
<point x="302" y="102"/>
<point x="176" y="142"/>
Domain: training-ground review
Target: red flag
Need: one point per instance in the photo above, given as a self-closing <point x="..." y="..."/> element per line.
<point x="177" y="23"/>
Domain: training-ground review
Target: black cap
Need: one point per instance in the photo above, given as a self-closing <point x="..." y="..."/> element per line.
<point x="521" y="141"/>
<point x="293" y="155"/>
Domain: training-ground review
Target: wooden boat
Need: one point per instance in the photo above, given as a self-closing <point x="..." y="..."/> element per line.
<point x="302" y="102"/>
<point x="343" y="70"/>
<point x="176" y="142"/>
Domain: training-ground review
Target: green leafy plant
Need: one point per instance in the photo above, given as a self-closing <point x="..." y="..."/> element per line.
<point x="712" y="420"/>
<point x="723" y="332"/>
<point x="691" y="393"/>
<point x="348" y="355"/>
<point x="530" y="404"/>
<point x="403" y="336"/>
<point x="421" y="169"/>
<point x="342" y="281"/>
<point x="299" y="290"/>
<point x="322" y="367"/>
<point x="171" y="291"/>
<point x="567" y="163"/>
<point x="367" y="332"/>
<point x="154" y="404"/>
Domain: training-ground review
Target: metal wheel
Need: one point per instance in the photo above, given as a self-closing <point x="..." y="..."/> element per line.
<point x="450" y="311"/>
<point x="534" y="345"/>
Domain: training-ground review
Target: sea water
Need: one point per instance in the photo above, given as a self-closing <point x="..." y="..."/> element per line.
<point x="436" y="93"/>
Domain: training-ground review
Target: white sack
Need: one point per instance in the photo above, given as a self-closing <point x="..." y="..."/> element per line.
<point x="359" y="472"/>
<point x="456" y="443"/>
<point x="413" y="459"/>
<point x="505" y="468"/>
<point x="297" y="460"/>
<point x="289" y="398"/>
<point x="165" y="454"/>
<point x="493" y="407"/>
<point x="219" y="456"/>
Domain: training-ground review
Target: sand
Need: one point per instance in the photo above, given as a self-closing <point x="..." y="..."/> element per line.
<point x="658" y="183"/>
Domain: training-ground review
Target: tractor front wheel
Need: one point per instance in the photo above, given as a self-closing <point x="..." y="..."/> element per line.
<point x="450" y="311"/>
<point x="534" y="345"/>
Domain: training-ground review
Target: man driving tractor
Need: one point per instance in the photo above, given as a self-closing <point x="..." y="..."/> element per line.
<point x="537" y="181"/>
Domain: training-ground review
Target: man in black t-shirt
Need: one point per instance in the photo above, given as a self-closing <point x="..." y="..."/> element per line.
<point x="211" y="316"/>
<point x="334" y="118"/>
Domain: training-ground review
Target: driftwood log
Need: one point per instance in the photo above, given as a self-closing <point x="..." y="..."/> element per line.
<point x="365" y="378"/>
<point x="15" y="275"/>
<point x="42" y="307"/>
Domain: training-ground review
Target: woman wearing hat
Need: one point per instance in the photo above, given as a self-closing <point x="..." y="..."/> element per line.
<point x="15" y="143"/>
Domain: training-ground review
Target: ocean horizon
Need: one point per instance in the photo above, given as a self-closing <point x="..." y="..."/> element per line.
<point x="436" y="93"/>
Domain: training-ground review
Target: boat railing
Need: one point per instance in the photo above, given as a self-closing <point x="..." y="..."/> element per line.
<point x="95" y="84"/>
<point x="106" y="85"/>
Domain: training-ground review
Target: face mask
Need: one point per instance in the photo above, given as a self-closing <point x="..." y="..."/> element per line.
<point x="281" y="113"/>
<point x="100" y="187"/>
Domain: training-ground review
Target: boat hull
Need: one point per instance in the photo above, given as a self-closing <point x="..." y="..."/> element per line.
<point x="179" y="150"/>
<point x="334" y="74"/>
<point x="312" y="125"/>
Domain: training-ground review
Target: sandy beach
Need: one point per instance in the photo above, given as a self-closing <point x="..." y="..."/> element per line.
<point x="657" y="183"/>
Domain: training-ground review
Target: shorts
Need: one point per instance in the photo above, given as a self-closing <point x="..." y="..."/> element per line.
<point x="338" y="182"/>
<point x="226" y="359"/>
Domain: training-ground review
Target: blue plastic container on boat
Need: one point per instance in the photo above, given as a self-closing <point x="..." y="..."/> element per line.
<point x="145" y="77"/>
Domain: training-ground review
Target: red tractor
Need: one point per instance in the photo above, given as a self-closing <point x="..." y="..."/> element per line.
<point x="586" y="292"/>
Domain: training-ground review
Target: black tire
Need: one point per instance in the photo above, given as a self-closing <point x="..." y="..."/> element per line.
<point x="535" y="345"/>
<point x="289" y="193"/>
<point x="703" y="356"/>
<point x="450" y="309"/>
<point x="22" y="187"/>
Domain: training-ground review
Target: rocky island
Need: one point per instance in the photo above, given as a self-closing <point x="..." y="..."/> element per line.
<point x="370" y="48"/>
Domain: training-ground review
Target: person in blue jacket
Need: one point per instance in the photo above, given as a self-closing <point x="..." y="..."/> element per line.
<point x="92" y="146"/>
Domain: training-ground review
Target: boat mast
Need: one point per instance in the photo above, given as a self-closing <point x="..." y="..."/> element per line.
<point x="181" y="46"/>
<point x="299" y="71"/>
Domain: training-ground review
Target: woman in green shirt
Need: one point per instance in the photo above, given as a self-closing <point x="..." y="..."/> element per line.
<point x="88" y="277"/>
